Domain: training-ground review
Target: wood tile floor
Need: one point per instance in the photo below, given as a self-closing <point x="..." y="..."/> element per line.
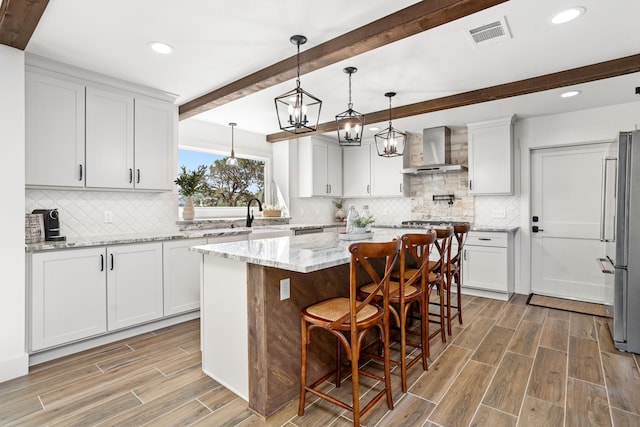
<point x="509" y="365"/>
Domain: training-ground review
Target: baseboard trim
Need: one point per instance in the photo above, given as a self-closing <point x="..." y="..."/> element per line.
<point x="14" y="367"/>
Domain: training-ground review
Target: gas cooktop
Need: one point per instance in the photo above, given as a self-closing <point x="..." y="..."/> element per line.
<point x="431" y="223"/>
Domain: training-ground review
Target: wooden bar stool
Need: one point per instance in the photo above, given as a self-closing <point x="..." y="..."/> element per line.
<point x="460" y="232"/>
<point x="439" y="277"/>
<point x="349" y="320"/>
<point x="409" y="285"/>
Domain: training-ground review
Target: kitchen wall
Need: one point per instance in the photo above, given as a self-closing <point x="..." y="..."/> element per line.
<point x="14" y="360"/>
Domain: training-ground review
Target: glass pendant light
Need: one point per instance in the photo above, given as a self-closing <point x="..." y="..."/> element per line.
<point x="390" y="142"/>
<point x="350" y="123"/>
<point x="298" y="111"/>
<point x="232" y="161"/>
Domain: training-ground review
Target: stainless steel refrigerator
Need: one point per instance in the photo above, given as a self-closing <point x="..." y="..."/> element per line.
<point x="620" y="229"/>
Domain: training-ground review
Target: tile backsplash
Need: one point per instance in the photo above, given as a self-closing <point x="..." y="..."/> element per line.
<point x="82" y="212"/>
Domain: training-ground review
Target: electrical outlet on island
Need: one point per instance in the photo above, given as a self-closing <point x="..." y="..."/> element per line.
<point x="108" y="217"/>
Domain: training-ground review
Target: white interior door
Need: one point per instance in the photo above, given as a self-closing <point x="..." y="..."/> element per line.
<point x="566" y="191"/>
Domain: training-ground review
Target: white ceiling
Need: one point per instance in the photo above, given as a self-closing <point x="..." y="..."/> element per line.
<point x="219" y="42"/>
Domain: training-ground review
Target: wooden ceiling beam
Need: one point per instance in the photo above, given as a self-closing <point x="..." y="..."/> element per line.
<point x="18" y="21"/>
<point x="412" y="20"/>
<point x="574" y="76"/>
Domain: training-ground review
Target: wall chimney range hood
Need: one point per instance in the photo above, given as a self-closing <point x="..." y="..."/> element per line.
<point x="436" y="157"/>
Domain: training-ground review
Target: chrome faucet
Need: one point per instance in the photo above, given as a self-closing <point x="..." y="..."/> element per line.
<point x="249" y="213"/>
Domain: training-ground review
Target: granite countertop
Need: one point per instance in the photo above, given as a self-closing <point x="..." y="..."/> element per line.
<point x="487" y="228"/>
<point x="304" y="254"/>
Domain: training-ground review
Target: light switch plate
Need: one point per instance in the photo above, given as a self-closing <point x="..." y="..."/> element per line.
<point x="108" y="217"/>
<point x="499" y="213"/>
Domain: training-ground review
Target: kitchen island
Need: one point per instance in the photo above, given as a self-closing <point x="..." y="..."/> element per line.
<point x="251" y="328"/>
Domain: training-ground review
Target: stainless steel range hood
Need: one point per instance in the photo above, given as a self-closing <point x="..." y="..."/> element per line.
<point x="436" y="157"/>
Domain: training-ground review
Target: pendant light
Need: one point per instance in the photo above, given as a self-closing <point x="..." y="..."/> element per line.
<point x="390" y="142"/>
<point x="298" y="111"/>
<point x="232" y="161"/>
<point x="350" y="123"/>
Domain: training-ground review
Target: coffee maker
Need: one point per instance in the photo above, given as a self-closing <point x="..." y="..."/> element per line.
<point x="51" y="224"/>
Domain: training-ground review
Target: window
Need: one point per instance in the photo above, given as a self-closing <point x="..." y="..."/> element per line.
<point x="226" y="186"/>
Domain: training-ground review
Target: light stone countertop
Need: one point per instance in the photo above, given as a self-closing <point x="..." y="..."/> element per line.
<point x="303" y="254"/>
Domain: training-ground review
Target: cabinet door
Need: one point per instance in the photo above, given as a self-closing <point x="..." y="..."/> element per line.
<point x="155" y="128"/>
<point x="109" y="141"/>
<point x="386" y="175"/>
<point x="320" y="161"/>
<point x="54" y="132"/>
<point x="181" y="268"/>
<point x="491" y="158"/>
<point x="68" y="296"/>
<point x="485" y="268"/>
<point x="356" y="171"/>
<point x="134" y="284"/>
<point x="334" y="170"/>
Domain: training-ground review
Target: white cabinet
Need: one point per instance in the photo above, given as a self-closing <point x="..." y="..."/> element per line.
<point x="319" y="168"/>
<point x="128" y="139"/>
<point x="181" y="273"/>
<point x="491" y="156"/>
<point x="386" y="175"/>
<point x="357" y="171"/>
<point x="54" y="131"/>
<point x="488" y="265"/>
<point x="155" y="133"/>
<point x="134" y="284"/>
<point x="366" y="174"/>
<point x="68" y="296"/>
<point x="109" y="140"/>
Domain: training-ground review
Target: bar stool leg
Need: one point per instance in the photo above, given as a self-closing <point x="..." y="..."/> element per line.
<point x="303" y="367"/>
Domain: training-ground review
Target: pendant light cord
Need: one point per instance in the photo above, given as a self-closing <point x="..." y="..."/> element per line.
<point x="350" y="104"/>
<point x="389" y="112"/>
<point x="298" y="65"/>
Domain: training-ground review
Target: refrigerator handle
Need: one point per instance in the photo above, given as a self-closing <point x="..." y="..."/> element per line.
<point x="605" y="197"/>
<point x="605" y="270"/>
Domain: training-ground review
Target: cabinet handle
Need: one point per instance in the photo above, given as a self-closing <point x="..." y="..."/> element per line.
<point x="401" y="188"/>
<point x="329" y="188"/>
<point x="470" y="185"/>
<point x="138" y="174"/>
<point x="101" y="262"/>
<point x="484" y="238"/>
<point x="368" y="188"/>
<point x="130" y="176"/>
<point x="464" y="254"/>
<point x="80" y="174"/>
<point x="111" y="261"/>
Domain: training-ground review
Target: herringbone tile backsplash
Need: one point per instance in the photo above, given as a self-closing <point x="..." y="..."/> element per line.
<point x="82" y="211"/>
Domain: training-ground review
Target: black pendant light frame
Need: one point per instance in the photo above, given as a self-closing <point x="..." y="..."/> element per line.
<point x="298" y="111"/>
<point x="390" y="142"/>
<point x="350" y="123"/>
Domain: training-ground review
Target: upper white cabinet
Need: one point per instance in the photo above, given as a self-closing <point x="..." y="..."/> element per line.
<point x="366" y="174"/>
<point x="109" y="143"/>
<point x="491" y="156"/>
<point x="81" y="134"/>
<point x="319" y="168"/>
<point x="154" y="144"/>
<point x="54" y="131"/>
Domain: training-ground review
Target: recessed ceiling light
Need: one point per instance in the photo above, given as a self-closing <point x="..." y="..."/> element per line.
<point x="161" y="47"/>
<point x="570" y="93"/>
<point x="373" y="129"/>
<point x="568" y="15"/>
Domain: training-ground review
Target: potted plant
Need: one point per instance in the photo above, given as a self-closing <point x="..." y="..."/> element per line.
<point x="272" y="211"/>
<point x="360" y="224"/>
<point x="190" y="183"/>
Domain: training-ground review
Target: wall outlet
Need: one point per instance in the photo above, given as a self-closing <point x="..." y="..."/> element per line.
<point x="499" y="213"/>
<point x="108" y="217"/>
<point x="385" y="212"/>
<point x="285" y="289"/>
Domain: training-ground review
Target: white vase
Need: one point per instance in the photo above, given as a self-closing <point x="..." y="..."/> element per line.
<point x="339" y="216"/>
<point x="188" y="213"/>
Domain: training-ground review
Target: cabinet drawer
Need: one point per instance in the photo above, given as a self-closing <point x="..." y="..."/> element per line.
<point x="483" y="238"/>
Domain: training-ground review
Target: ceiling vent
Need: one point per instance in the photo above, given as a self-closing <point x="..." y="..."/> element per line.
<point x="490" y="33"/>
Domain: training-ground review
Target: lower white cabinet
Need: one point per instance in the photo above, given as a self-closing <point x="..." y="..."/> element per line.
<point x="134" y="284"/>
<point x="181" y="275"/>
<point x="68" y="296"/>
<point x="488" y="265"/>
